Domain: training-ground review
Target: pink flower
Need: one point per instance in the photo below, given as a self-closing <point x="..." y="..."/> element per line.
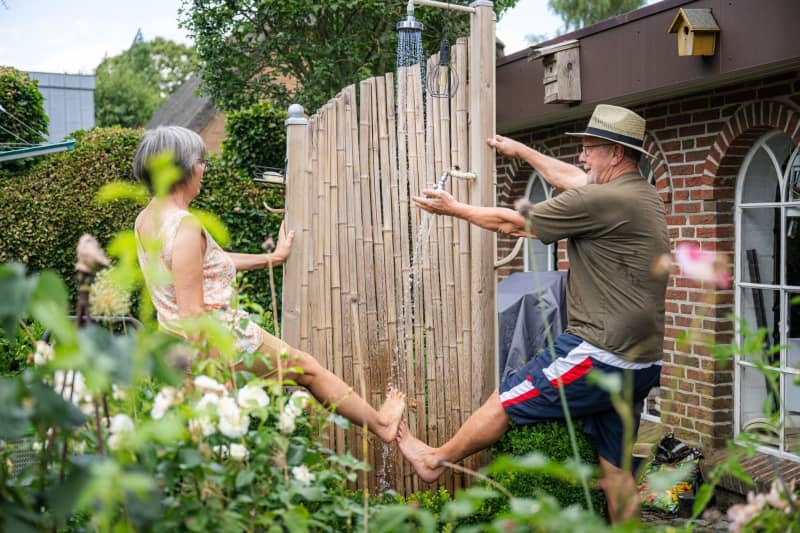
<point x="702" y="265"/>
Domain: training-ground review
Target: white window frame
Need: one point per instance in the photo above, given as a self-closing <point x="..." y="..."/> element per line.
<point x="784" y="291"/>
<point x="551" y="248"/>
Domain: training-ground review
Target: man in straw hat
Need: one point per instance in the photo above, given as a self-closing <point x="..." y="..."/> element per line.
<point x="616" y="230"/>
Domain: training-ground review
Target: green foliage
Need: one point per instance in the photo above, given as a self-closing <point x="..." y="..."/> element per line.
<point x="578" y="14"/>
<point x="319" y="47"/>
<point x="550" y="439"/>
<point x="131" y="85"/>
<point x="14" y="353"/>
<point x="24" y="120"/>
<point x="45" y="211"/>
<point x="255" y="136"/>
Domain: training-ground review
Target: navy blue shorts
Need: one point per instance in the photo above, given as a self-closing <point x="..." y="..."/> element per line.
<point x="531" y="395"/>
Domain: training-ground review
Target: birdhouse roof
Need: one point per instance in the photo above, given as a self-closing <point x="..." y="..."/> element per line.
<point x="697" y="19"/>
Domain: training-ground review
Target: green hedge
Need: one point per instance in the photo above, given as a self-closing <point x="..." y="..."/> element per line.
<point x="45" y="211"/>
<point x="552" y="440"/>
<point x="255" y="137"/>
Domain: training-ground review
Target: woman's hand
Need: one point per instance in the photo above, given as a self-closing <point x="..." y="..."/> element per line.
<point x="284" y="246"/>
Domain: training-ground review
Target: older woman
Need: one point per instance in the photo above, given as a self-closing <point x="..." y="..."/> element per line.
<point x="203" y="274"/>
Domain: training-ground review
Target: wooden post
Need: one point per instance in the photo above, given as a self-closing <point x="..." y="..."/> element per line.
<point x="297" y="176"/>
<point x="482" y="162"/>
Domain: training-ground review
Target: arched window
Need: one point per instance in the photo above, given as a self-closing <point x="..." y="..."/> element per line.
<point x="539" y="257"/>
<point x="767" y="290"/>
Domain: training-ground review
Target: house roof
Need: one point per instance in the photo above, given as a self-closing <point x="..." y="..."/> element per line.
<point x="696" y="19"/>
<point x="186" y="107"/>
<point x="631" y="59"/>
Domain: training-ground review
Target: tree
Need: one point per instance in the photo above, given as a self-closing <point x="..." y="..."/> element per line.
<point x="131" y="85"/>
<point x="581" y="13"/>
<point x="23" y="120"/>
<point x="319" y="47"/>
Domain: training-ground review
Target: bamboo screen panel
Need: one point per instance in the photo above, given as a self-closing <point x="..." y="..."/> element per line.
<point x="365" y="288"/>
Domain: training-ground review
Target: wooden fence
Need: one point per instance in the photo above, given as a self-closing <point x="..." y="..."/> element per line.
<point x="358" y="294"/>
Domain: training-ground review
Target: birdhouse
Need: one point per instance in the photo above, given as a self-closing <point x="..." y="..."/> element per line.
<point x="697" y="32"/>
<point x="562" y="72"/>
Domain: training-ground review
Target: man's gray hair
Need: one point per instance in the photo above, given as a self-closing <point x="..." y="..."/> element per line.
<point x="186" y="147"/>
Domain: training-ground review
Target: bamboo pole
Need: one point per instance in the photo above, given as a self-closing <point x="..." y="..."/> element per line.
<point x="296" y="189"/>
<point x="482" y="162"/>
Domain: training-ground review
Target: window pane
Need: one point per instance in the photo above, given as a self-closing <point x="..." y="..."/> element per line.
<point x="760" y="308"/>
<point x="758" y="245"/>
<point x="793" y="180"/>
<point x="757" y="406"/>
<point x="781" y="146"/>
<point x="761" y="180"/>
<point x="793" y="246"/>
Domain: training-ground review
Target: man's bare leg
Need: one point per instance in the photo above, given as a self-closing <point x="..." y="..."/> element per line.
<point x="481" y="430"/>
<point x="621" y="494"/>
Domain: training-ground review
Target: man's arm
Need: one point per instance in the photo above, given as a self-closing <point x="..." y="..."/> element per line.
<point x="557" y="173"/>
<point x="499" y="219"/>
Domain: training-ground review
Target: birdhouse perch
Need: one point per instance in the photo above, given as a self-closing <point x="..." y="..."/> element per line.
<point x="697" y="32"/>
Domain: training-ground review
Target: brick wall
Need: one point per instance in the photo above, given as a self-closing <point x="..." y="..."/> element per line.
<point x="700" y="141"/>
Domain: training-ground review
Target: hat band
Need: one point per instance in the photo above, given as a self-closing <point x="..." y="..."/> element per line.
<point x="615" y="136"/>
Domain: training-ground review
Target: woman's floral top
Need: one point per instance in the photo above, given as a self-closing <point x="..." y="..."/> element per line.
<point x="219" y="275"/>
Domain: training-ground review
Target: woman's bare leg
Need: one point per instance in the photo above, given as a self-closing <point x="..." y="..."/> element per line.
<point x="481" y="430"/>
<point x="330" y="390"/>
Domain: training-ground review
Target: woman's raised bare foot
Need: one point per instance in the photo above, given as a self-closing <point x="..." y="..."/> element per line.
<point x="390" y="414"/>
<point x="420" y="455"/>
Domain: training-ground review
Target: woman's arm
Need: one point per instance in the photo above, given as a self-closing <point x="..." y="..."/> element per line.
<point x="188" y="251"/>
<point x="499" y="219"/>
<point x="278" y="257"/>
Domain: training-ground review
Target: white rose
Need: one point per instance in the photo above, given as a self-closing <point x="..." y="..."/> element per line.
<point x="202" y="424"/>
<point x="286" y="422"/>
<point x="252" y="397"/>
<point x="164" y="399"/>
<point x="207" y="384"/>
<point x="114" y="441"/>
<point x="239" y="452"/>
<point x="71" y="385"/>
<point x="232" y="422"/>
<point x="302" y="474"/>
<point x="121" y="423"/>
<point x="220" y="450"/>
<point x="206" y="401"/>
<point x="300" y="398"/>
<point x="234" y="428"/>
<point x="44" y="353"/>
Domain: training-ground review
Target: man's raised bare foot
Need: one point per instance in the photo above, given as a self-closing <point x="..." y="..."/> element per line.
<point x="420" y="455"/>
<point x="390" y="414"/>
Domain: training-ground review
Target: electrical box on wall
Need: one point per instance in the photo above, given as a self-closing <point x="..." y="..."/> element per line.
<point x="696" y="30"/>
<point x="562" y="72"/>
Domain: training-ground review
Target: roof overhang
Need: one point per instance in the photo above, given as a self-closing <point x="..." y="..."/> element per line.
<point x="632" y="59"/>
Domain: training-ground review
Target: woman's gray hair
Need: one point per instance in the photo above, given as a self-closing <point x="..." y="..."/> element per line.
<point x="186" y="147"/>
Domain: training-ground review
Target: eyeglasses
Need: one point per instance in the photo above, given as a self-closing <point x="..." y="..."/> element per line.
<point x="588" y="147"/>
<point x="203" y="161"/>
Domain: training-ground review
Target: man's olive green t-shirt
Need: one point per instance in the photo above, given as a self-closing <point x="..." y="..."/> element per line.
<point x="616" y="231"/>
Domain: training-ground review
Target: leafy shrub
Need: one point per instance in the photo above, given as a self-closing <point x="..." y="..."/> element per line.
<point x="21" y="99"/>
<point x="255" y="136"/>
<point x="552" y="440"/>
<point x="14" y="355"/>
<point x="44" y="212"/>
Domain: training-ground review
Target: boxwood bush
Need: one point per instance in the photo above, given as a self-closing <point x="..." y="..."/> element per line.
<point x="552" y="440"/>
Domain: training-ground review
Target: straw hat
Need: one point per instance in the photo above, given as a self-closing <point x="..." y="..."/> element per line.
<point x="616" y="124"/>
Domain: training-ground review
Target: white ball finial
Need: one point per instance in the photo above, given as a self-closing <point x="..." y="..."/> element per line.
<point x="296" y="115"/>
